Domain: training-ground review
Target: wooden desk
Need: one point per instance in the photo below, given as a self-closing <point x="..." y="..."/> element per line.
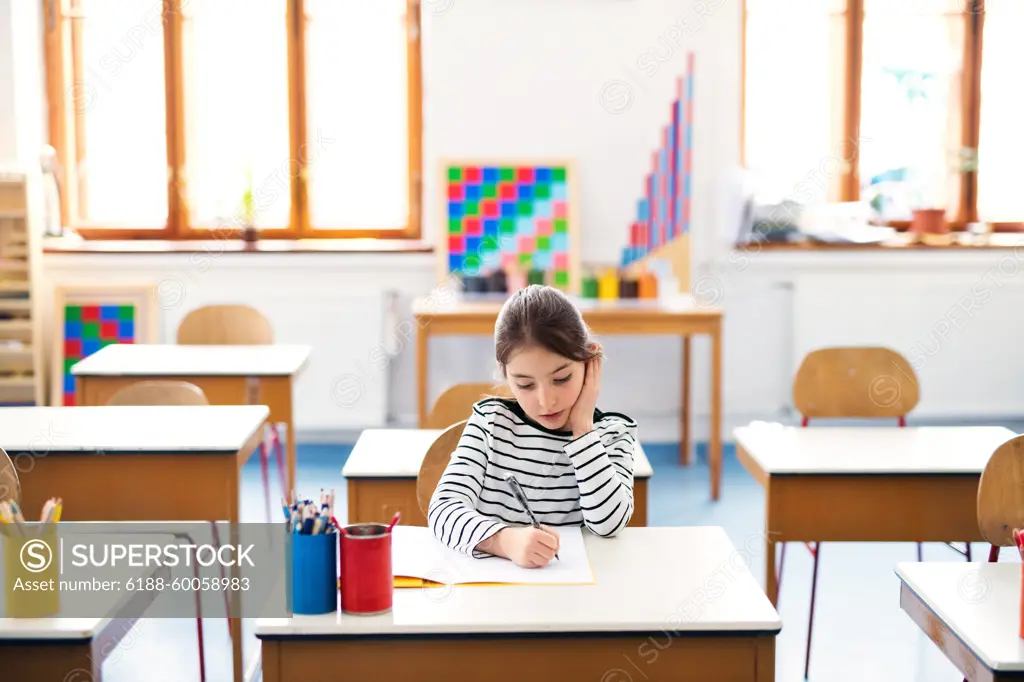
<point x="382" y="469"/>
<point x="629" y="317"/>
<point x="71" y="649"/>
<point x="971" y="612"/>
<point x="135" y="463"/>
<point x="228" y="375"/>
<point x="668" y="604"/>
<point x="865" y="484"/>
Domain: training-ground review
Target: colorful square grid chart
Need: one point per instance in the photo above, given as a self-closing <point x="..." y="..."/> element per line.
<point x="87" y="318"/>
<point x="511" y="215"/>
<point x="87" y="328"/>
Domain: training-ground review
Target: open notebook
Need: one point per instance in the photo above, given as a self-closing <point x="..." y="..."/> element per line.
<point x="418" y="559"/>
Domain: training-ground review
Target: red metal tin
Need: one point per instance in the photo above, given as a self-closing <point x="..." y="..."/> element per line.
<point x="367" y="581"/>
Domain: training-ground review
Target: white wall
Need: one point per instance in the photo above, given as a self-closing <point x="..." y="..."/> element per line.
<point x="8" y="149"/>
<point x="954" y="316"/>
<point x="589" y="81"/>
<point x="22" y="92"/>
<point x="582" y="80"/>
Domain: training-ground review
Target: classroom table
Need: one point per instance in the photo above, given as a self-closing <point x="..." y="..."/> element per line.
<point x="228" y="375"/>
<point x="160" y="463"/>
<point x="683" y="318"/>
<point x="669" y="604"/>
<point x="71" y="649"/>
<point x="971" y="612"/>
<point x="867" y="484"/>
<point x="382" y="468"/>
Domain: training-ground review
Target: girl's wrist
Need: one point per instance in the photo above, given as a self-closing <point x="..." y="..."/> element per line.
<point x="493" y="545"/>
<point x="582" y="430"/>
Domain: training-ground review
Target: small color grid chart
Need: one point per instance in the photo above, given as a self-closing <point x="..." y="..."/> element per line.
<point x="509" y="217"/>
<point x="87" y="328"/>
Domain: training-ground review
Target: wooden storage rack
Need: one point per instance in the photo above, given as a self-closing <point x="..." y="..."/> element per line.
<point x="21" y="364"/>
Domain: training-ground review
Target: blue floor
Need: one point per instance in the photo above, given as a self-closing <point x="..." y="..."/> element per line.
<point x="860" y="632"/>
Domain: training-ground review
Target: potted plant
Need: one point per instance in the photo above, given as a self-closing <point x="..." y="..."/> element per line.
<point x="929" y="223"/>
<point x="249" y="231"/>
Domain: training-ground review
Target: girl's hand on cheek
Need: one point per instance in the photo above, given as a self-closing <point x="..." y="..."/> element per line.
<point x="581" y="417"/>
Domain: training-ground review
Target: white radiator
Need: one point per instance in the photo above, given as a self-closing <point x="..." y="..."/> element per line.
<point x="956" y="328"/>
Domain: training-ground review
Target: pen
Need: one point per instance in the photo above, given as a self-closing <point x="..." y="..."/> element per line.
<point x="520" y="495"/>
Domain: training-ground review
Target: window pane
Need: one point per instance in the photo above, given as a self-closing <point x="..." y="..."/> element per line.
<point x="236" y="79"/>
<point x="357" y="114"/>
<point x="792" y="136"/>
<point x="118" y="103"/>
<point x="911" y="105"/>
<point x="1001" y="146"/>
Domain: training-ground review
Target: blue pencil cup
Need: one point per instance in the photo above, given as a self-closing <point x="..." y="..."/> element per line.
<point x="314" y="574"/>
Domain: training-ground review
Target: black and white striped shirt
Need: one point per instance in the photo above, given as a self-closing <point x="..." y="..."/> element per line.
<point x="569" y="482"/>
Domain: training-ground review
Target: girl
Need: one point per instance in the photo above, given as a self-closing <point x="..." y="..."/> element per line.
<point x="574" y="462"/>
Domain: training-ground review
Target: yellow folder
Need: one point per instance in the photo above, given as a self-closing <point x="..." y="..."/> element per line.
<point x="405" y="582"/>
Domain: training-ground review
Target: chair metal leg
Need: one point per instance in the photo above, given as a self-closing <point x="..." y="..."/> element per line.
<point x="810" y="621"/>
<point x="993" y="554"/>
<point x="265" y="473"/>
<point x="967" y="551"/>
<point x="227" y="599"/>
<point x="919" y="555"/>
<point x="199" y="627"/>
<point x="278" y="449"/>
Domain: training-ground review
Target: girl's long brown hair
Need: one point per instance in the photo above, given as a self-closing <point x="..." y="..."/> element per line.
<point x="542" y="316"/>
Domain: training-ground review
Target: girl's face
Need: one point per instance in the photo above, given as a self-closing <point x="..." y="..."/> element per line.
<point x="545" y="384"/>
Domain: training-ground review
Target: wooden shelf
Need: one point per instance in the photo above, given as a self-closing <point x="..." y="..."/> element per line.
<point x="10" y="327"/>
<point x="18" y="305"/>
<point x="16" y="360"/>
<point x="22" y="379"/>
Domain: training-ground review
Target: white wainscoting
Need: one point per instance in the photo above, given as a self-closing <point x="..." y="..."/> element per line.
<point x="957" y="321"/>
<point x="338" y="305"/>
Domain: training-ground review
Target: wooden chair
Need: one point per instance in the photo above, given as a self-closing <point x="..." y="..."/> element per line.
<point x="171" y="393"/>
<point x="853" y="382"/>
<point x="10" y="484"/>
<point x="225" y="325"/>
<point x="434" y="463"/>
<point x="1001" y="496"/>
<point x="456" y="403"/>
<point x="159" y="393"/>
<point x="239" y="325"/>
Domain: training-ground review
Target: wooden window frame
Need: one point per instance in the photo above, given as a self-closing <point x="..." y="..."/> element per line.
<point x="62" y="50"/>
<point x="973" y="13"/>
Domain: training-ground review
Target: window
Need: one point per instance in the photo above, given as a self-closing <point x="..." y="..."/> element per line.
<point x="191" y="119"/>
<point x="900" y="103"/>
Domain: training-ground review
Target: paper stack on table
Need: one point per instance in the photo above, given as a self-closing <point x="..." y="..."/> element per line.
<point x="419" y="559"/>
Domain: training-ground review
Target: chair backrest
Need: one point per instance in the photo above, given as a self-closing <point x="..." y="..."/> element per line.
<point x="868" y="382"/>
<point x="435" y="462"/>
<point x="456" y="403"/>
<point x="10" y="485"/>
<point x="225" y="325"/>
<point x="159" y="393"/>
<point x="1001" y="494"/>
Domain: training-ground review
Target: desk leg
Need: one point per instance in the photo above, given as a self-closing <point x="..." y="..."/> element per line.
<point x="234" y="601"/>
<point x="715" y="444"/>
<point x="771" y="584"/>
<point x="422" y="337"/>
<point x="684" y="436"/>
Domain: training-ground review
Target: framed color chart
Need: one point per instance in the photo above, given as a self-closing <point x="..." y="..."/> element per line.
<point x="87" y="318"/>
<point x="510" y="214"/>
